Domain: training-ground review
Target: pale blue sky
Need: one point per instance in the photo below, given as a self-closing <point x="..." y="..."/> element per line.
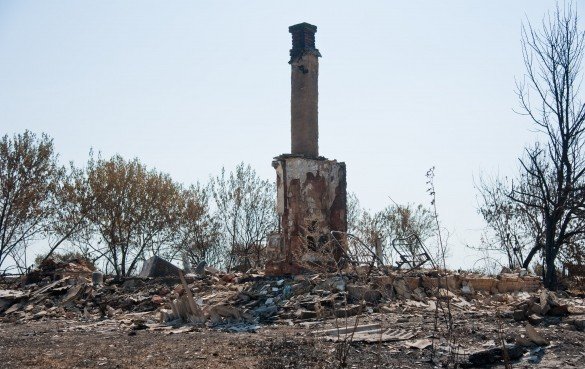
<point x="190" y="86"/>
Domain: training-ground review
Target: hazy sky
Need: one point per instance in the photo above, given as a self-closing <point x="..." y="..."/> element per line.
<point x="191" y="86"/>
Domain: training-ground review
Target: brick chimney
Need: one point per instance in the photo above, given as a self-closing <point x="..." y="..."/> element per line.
<point x="304" y="91"/>
<point x="311" y="191"/>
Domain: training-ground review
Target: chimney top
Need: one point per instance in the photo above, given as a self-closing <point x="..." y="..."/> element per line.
<point x="303" y="40"/>
<point x="303" y="26"/>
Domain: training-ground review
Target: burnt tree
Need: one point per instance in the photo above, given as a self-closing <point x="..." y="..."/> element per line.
<point x="552" y="171"/>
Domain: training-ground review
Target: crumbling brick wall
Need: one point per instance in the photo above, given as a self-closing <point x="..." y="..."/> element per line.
<point x="311" y="202"/>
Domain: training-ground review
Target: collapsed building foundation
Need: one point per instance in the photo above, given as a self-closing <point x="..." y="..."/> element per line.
<point x="311" y="190"/>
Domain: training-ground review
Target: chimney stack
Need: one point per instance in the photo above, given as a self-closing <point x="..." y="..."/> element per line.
<point x="311" y="191"/>
<point x="304" y="91"/>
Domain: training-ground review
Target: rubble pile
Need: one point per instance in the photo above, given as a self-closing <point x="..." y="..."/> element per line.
<point x="216" y="298"/>
<point x="77" y="297"/>
<point x="52" y="270"/>
<point x="360" y="305"/>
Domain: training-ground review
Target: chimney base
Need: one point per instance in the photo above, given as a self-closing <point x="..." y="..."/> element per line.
<point x="311" y="202"/>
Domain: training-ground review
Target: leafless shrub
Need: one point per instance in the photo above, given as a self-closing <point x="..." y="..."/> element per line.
<point x="246" y="212"/>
